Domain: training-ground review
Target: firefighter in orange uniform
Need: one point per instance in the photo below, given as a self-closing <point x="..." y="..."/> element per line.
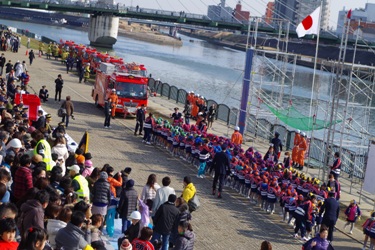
<point x="302" y="147"/>
<point x="236" y="137"/>
<point x="297" y="139"/>
<point x="114" y="103"/>
<point x="190" y="97"/>
<point x="195" y="109"/>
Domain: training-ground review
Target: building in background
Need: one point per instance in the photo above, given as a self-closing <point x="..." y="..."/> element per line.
<point x="269" y="12"/>
<point x="296" y="10"/>
<point x="240" y="14"/>
<point x="367" y="17"/>
<point x="220" y="12"/>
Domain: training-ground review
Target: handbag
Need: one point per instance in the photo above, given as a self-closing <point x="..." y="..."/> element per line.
<point x="61" y="112"/>
<point x="194" y="203"/>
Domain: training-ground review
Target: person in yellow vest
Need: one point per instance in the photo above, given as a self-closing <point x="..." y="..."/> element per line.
<point x="41" y="47"/>
<point x="86" y="74"/>
<point x="44" y="149"/>
<point x="79" y="183"/>
<point x="236" y="137"/>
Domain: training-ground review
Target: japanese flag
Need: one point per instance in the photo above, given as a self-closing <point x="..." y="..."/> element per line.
<point x="309" y="25"/>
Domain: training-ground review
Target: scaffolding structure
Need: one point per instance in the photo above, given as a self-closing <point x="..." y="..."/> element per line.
<point x="350" y="100"/>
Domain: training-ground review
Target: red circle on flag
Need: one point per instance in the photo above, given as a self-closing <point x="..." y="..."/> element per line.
<point x="307" y="22"/>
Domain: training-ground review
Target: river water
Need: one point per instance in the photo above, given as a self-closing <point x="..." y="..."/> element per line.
<point x="213" y="71"/>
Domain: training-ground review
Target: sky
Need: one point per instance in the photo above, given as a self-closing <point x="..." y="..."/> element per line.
<point x="256" y="7"/>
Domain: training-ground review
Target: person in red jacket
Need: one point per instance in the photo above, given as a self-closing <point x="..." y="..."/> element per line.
<point x="8" y="234"/>
<point x="23" y="180"/>
<point x="143" y="242"/>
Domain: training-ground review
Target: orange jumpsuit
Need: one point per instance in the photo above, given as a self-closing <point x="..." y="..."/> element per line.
<point x="297" y="139"/>
<point x="302" y="147"/>
<point x="236" y="138"/>
<point x="194" y="109"/>
<point x="190" y="98"/>
<point x="114" y="99"/>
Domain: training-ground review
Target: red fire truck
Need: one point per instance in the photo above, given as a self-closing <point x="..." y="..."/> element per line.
<point x="131" y="89"/>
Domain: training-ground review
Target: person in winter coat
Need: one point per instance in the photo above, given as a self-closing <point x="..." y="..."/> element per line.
<point x="331" y="210"/>
<point x="54" y="225"/>
<point x="149" y="190"/>
<point x="62" y="152"/>
<point x="72" y="237"/>
<point x="8" y="230"/>
<point x="163" y="193"/>
<point x="189" y="189"/>
<point x="112" y="181"/>
<point x="133" y="231"/>
<point x="58" y="87"/>
<point x="31" y="56"/>
<point x="186" y="237"/>
<point x="88" y="168"/>
<point x="221" y="165"/>
<point x="107" y="113"/>
<point x="23" y="180"/>
<point x="32" y="212"/>
<point x="128" y="203"/>
<point x="69" y="108"/>
<point x="352" y="213"/>
<point x="320" y="242"/>
<point x="101" y="195"/>
<point x="164" y="219"/>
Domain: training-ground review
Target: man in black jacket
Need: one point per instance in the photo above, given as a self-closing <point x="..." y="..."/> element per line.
<point x="164" y="219"/>
<point x="59" y="85"/>
<point x="2" y="63"/>
<point x="331" y="209"/>
<point x="277" y="144"/>
<point x="140" y="119"/>
<point x="221" y="166"/>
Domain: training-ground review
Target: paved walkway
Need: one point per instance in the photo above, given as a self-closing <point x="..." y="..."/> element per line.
<point x="229" y="223"/>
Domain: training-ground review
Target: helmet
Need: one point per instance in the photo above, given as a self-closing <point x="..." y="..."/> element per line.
<point x="297" y="131"/>
<point x="113" y="90"/>
<point x="135" y="215"/>
<point x="202" y="97"/>
<point x="237" y="128"/>
<point x="303" y="134"/>
<point x="15" y="143"/>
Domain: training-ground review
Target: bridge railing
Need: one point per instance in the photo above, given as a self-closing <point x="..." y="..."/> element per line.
<point x="353" y="163"/>
<point x="166" y="12"/>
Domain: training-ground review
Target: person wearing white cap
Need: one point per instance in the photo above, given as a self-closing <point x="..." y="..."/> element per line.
<point x="236" y="138"/>
<point x="79" y="183"/>
<point x="13" y="147"/>
<point x="297" y="140"/>
<point x="133" y="231"/>
<point x="113" y="96"/>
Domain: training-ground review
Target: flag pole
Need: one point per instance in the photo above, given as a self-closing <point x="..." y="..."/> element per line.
<point x="313" y="84"/>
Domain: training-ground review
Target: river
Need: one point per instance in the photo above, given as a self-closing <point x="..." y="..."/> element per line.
<point x="210" y="70"/>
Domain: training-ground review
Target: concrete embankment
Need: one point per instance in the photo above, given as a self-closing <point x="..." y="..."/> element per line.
<point x="148" y="34"/>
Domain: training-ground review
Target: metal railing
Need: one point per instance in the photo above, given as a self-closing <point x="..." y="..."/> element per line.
<point x="352" y="163"/>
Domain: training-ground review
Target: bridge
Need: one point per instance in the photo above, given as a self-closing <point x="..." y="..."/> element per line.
<point x="104" y="19"/>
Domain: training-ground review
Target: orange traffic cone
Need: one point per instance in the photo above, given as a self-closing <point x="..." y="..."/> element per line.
<point x="27" y="52"/>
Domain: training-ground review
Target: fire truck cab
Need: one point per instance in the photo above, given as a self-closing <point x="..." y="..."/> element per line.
<point x="130" y="89"/>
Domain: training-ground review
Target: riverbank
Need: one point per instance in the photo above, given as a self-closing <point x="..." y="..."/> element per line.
<point x="147" y="34"/>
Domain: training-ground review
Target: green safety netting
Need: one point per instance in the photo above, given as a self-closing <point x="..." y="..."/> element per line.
<point x="293" y="118"/>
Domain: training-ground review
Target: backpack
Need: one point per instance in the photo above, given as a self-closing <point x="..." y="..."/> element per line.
<point x="61" y="112"/>
<point x="194" y="203"/>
